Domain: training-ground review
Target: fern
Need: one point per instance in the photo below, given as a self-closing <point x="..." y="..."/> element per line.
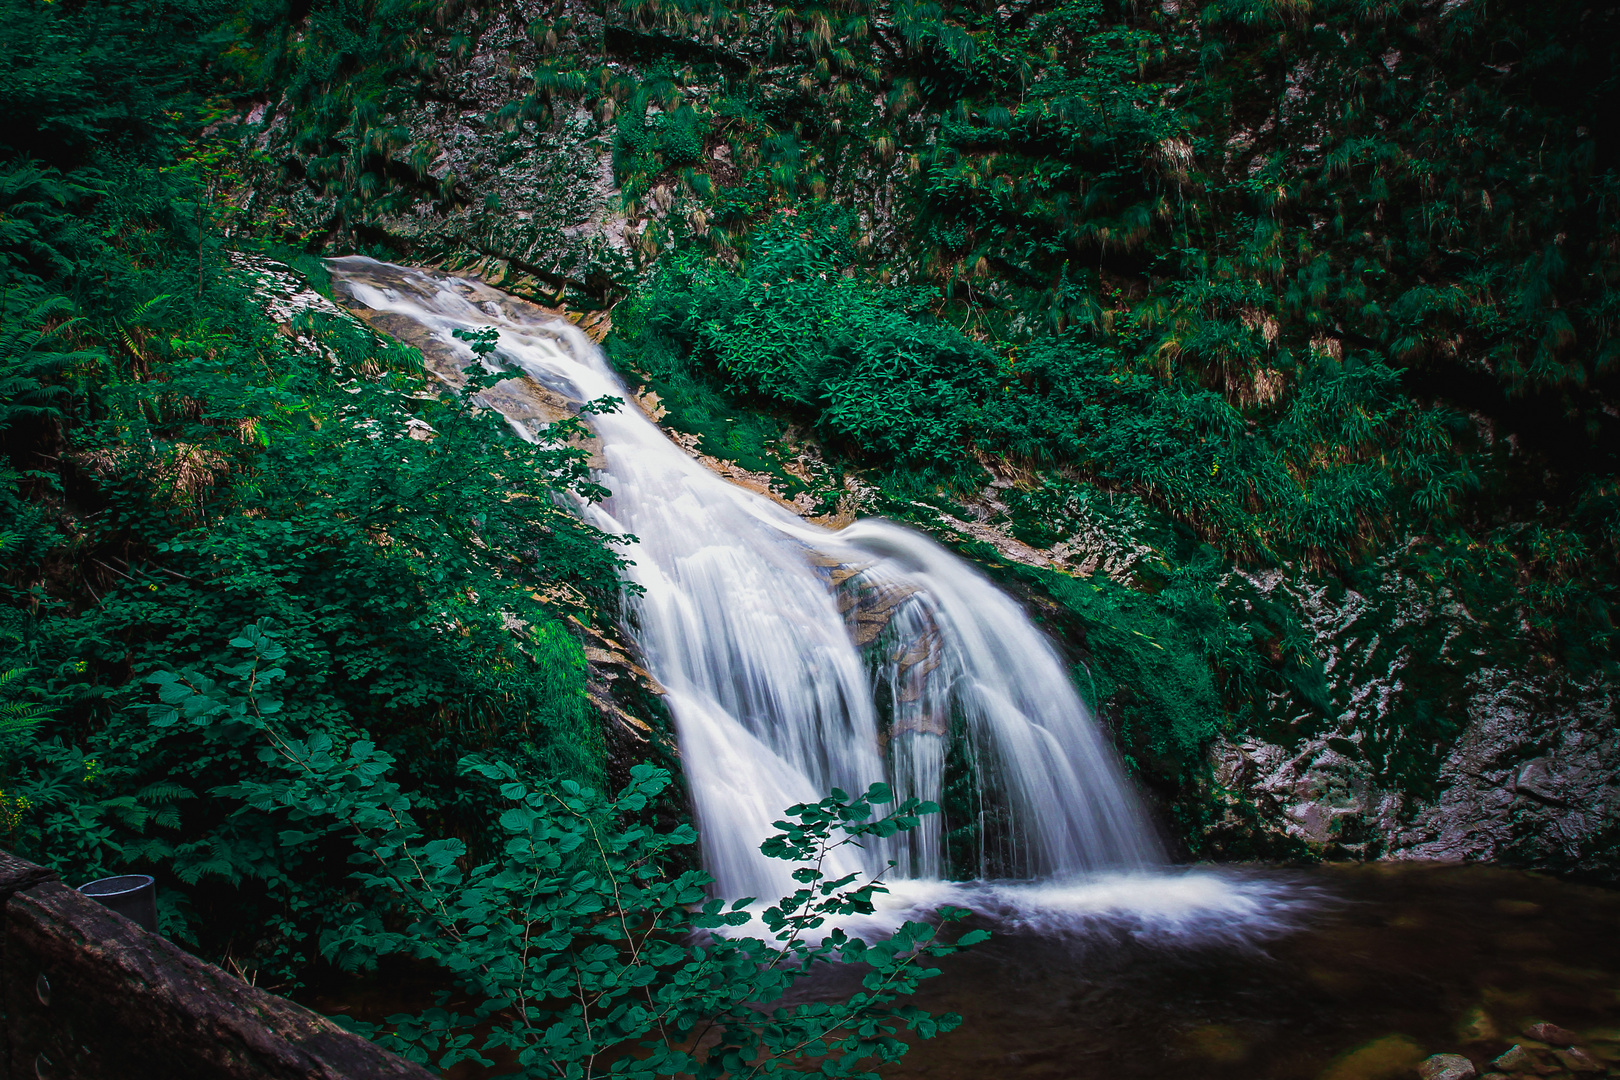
<point x="16" y="714"/>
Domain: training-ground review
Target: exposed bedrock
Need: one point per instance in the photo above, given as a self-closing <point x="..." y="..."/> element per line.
<point x="1529" y="774"/>
<point x="1534" y="778"/>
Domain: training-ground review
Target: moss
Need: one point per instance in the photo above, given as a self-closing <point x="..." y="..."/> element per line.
<point x="725" y="428"/>
<point x="1143" y="666"/>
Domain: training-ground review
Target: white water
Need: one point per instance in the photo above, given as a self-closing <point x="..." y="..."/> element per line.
<point x="798" y="659"/>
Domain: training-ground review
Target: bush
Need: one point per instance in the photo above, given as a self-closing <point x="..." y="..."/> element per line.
<point x="563" y="920"/>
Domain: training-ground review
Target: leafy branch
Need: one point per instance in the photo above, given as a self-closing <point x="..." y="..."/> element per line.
<point x="576" y="934"/>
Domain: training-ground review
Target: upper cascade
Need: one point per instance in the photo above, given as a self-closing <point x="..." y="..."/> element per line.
<point x="798" y="659"/>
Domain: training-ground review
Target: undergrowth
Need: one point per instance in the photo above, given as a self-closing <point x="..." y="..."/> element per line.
<point x="175" y="464"/>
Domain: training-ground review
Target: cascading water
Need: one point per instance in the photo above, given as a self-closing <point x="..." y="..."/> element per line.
<point x="798" y="659"/>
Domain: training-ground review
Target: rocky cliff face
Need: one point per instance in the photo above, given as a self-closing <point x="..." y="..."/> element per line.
<point x="536" y="217"/>
<point x="1535" y="778"/>
<point x="534" y="207"/>
<point x="1529" y="773"/>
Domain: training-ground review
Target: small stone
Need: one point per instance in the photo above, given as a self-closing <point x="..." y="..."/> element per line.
<point x="1515" y="1059"/>
<point x="1551" y="1034"/>
<point x="1447" y="1067"/>
<point x="1579" y="1061"/>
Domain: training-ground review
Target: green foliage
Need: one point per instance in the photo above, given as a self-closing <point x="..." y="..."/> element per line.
<point x="796" y="328"/>
<point x="174" y="461"/>
<point x="346" y="71"/>
<point x="565" y="924"/>
<point x="1147" y="667"/>
<point x="801" y="327"/>
<point x="17" y="714"/>
<point x="405" y="577"/>
<point x="648" y="145"/>
<point x="418" y="585"/>
<point x="1325" y="290"/>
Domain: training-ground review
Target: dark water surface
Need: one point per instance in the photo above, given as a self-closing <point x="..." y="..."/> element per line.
<point x="1397" y="962"/>
<point x="1385" y="964"/>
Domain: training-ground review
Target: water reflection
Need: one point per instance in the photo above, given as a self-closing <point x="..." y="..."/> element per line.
<point x="1387" y="964"/>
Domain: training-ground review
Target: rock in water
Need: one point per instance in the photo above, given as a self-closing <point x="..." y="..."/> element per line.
<point x="1515" y="1059"/>
<point x="1476" y="1026"/>
<point x="1577" y="1060"/>
<point x="1447" y="1067"/>
<point x="1551" y="1034"/>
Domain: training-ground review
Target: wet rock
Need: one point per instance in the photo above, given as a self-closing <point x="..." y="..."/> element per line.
<point x="1538" y="780"/>
<point x="1577" y="1060"/>
<point x="1551" y="1034"/>
<point x="1535" y="772"/>
<point x="1447" y="1067"/>
<point x="1515" y="1059"/>
<point x="1549" y="743"/>
<point x="283" y="293"/>
<point x="1389" y="1056"/>
<point x="1476" y="1026"/>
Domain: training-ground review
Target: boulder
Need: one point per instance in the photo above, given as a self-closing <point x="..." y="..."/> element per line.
<point x="1447" y="1067"/>
<point x="1515" y="1059"/>
<point x="1577" y="1060"/>
<point x="1551" y="1034"/>
<point x="1539" y="780"/>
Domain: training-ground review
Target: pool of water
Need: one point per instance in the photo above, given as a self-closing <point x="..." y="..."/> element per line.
<point x="1339" y="972"/>
<point x="1364" y="971"/>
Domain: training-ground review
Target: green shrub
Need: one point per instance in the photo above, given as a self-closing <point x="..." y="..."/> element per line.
<point x="565" y="923"/>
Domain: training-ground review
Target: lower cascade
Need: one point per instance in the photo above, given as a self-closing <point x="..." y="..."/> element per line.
<point x="798" y="659"/>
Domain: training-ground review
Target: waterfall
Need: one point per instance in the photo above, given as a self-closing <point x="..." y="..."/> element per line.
<point x="798" y="659"/>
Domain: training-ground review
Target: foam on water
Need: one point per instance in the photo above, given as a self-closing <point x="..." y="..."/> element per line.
<point x="1170" y="907"/>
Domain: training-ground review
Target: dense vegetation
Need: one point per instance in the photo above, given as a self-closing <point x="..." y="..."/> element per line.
<point x="1321" y="286"/>
<point x="570" y="935"/>
<point x="176" y="467"/>
<point x="296" y="628"/>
